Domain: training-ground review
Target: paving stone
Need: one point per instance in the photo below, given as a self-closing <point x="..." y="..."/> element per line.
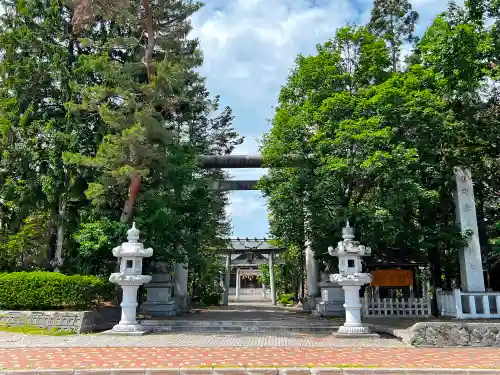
<point x="294" y="371"/>
<point x="195" y="339"/>
<point x="92" y="371"/>
<point x="56" y="372"/>
<point x="326" y="371"/>
<point x="357" y="371"/>
<point x="129" y="371"/>
<point x="229" y="371"/>
<point x="261" y="371"/>
<point x="163" y="371"/>
<point x="195" y="371"/>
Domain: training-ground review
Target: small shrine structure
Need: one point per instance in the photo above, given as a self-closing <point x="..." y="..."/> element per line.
<point x="243" y="256"/>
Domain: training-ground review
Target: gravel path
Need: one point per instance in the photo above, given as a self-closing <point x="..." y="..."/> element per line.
<point x="194" y="339"/>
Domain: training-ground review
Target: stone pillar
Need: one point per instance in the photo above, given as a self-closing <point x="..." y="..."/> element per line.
<point x="227" y="279"/>
<point x="159" y="293"/>
<point x="181" y="287"/>
<point x="471" y="266"/>
<point x="311" y="268"/>
<point x="238" y="282"/>
<point x="311" y="263"/>
<point x="264" y="294"/>
<point x="271" y="278"/>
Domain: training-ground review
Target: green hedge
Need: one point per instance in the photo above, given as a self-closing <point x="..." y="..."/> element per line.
<point x="52" y="291"/>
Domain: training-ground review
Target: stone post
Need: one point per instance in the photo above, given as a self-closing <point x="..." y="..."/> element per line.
<point x="312" y="267"/>
<point x="129" y="278"/>
<point x="471" y="266"/>
<point x="227" y="279"/>
<point x="181" y="296"/>
<point x="238" y="282"/>
<point x="271" y="278"/>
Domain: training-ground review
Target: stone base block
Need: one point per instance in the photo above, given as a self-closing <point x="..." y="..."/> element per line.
<point x="330" y="308"/>
<point x="310" y="303"/>
<point x="356" y="336"/>
<point x="356" y="331"/>
<point x="124" y="333"/>
<point x="128" y="330"/>
<point x="183" y="304"/>
<point x="159" y="309"/>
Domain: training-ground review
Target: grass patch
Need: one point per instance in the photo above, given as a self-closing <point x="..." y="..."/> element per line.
<point x="34" y="330"/>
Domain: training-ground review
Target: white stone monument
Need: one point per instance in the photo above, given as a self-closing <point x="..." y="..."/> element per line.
<point x="350" y="278"/>
<point x="130" y="279"/>
<point x="471" y="267"/>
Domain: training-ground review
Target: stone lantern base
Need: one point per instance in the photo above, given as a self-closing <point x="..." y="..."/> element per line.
<point x="131" y="330"/>
<point x="128" y="325"/>
<point x="351" y="285"/>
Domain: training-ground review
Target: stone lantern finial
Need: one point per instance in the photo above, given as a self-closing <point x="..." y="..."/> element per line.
<point x="133" y="234"/>
<point x="348" y="232"/>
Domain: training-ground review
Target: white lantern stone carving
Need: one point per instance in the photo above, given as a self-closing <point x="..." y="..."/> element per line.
<point x="130" y="278"/>
<point x="350" y="278"/>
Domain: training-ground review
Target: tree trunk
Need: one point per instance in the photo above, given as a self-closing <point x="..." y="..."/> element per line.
<point x="58" y="260"/>
<point x="133" y="191"/>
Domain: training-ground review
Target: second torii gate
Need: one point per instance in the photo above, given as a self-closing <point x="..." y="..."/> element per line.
<point x="256" y="161"/>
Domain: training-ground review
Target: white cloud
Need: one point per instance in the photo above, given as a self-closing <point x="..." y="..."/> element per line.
<point x="241" y="207"/>
<point x="249" y="45"/>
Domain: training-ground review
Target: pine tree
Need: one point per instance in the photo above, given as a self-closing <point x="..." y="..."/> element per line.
<point x="157" y="116"/>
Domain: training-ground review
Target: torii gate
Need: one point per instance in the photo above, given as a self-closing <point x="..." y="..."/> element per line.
<point x="256" y="161"/>
<point x="471" y="265"/>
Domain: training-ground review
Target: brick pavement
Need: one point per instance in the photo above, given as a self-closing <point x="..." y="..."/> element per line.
<point x="141" y="358"/>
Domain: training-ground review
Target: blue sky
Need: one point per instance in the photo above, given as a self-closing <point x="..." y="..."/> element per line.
<point x="249" y="47"/>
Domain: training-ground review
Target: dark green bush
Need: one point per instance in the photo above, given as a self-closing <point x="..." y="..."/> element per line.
<point x="211" y="295"/>
<point x="52" y="291"/>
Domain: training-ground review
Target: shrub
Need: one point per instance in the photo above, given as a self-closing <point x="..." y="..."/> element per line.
<point x="286" y="299"/>
<point x="52" y="291"/>
<point x="211" y="295"/>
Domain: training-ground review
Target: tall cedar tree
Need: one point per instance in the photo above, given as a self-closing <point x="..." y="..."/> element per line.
<point x="394" y="21"/>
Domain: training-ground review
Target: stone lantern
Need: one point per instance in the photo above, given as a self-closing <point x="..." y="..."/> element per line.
<point x="130" y="278"/>
<point x="350" y="278"/>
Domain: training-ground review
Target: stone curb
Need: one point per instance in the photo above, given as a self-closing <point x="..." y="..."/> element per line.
<point x="257" y="371"/>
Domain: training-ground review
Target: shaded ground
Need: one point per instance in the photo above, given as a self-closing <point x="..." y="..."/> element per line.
<point x="244" y="311"/>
